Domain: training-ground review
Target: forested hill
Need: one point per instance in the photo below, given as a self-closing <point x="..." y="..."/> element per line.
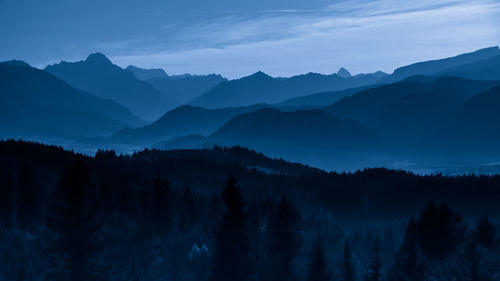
<point x="374" y="192"/>
<point x="178" y="215"/>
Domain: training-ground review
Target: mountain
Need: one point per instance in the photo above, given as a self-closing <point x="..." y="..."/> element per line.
<point x="343" y="73"/>
<point x="436" y="66"/>
<point x="181" y="121"/>
<point x="313" y="137"/>
<point x="475" y="123"/>
<point x="99" y="76"/>
<point x="36" y="103"/>
<point x="482" y="70"/>
<point x="146" y="74"/>
<point x="415" y="115"/>
<point x="185" y="88"/>
<point x="262" y="88"/>
<point x="320" y="99"/>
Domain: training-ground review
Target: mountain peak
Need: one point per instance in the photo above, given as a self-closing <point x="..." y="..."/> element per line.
<point x="344" y="73"/>
<point x="98" y="58"/>
<point x="259" y="74"/>
<point x="15" y="63"/>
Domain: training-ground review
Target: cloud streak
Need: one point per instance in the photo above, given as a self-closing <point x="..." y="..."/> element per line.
<point x="363" y="36"/>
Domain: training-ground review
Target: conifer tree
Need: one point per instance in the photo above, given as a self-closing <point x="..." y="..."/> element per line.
<point x="486" y="233"/>
<point x="27" y="202"/>
<point x="6" y="200"/>
<point x="375" y="270"/>
<point x="72" y="219"/>
<point x="348" y="272"/>
<point x="283" y="242"/>
<point x="318" y="268"/>
<point x="231" y="259"/>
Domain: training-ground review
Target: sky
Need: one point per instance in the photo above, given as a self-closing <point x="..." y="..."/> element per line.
<point x="239" y="37"/>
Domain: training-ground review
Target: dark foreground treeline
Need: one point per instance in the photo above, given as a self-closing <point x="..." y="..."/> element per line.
<point x="179" y="215"/>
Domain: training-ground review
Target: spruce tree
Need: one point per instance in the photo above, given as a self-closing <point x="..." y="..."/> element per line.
<point x="27" y="201"/>
<point x="408" y="266"/>
<point x="160" y="205"/>
<point x="486" y="233"/>
<point x="231" y="259"/>
<point x="283" y="242"/>
<point x="318" y="268"/>
<point x="375" y="270"/>
<point x="71" y="218"/>
<point x="348" y="272"/>
<point x="6" y="200"/>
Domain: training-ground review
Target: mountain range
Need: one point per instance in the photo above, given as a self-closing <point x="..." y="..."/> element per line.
<point x="36" y="103"/>
<point x="445" y="113"/>
<point x="262" y="88"/>
<point x="99" y="76"/>
<point x="441" y="66"/>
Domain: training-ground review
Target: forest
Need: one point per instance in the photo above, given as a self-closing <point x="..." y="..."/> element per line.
<point x="234" y="214"/>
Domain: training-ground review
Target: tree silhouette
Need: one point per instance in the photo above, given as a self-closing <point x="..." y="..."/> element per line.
<point x="159" y="207"/>
<point x="470" y="266"/>
<point x="231" y="259"/>
<point x="408" y="266"/>
<point x="348" y="272"/>
<point x="318" y="268"/>
<point x="439" y="230"/>
<point x="6" y="200"/>
<point x="71" y="218"/>
<point x="486" y="233"/>
<point x="27" y="202"/>
<point x="283" y="242"/>
<point x="375" y="269"/>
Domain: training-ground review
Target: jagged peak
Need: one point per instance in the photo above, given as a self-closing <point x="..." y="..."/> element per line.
<point x="98" y="58"/>
<point x="344" y="73"/>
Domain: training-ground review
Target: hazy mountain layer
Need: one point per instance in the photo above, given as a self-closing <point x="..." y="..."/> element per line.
<point x="99" y="76"/>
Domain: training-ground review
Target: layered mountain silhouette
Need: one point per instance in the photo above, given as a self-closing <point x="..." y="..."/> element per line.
<point x="434" y="67"/>
<point x="482" y="70"/>
<point x="185" y="88"/>
<point x="182" y="121"/>
<point x="476" y="123"/>
<point x="36" y="103"/>
<point x="321" y="99"/>
<point x="99" y="76"/>
<point x="146" y="74"/>
<point x="262" y="88"/>
<point x="313" y="136"/>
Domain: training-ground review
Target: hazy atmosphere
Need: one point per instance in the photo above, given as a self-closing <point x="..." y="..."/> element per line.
<point x="265" y="140"/>
<point x="238" y="38"/>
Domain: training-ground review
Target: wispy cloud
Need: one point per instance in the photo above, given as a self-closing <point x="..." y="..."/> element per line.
<point x="361" y="35"/>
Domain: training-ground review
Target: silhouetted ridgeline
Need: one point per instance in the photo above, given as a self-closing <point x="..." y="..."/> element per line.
<point x="179" y="215"/>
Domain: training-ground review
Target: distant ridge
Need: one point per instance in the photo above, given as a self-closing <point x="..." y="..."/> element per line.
<point x="435" y="66"/>
<point x="34" y="102"/>
<point x="146" y="74"/>
<point x="262" y="88"/>
<point x="99" y="76"/>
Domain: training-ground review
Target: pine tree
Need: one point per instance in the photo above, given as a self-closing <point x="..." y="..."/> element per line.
<point x="283" y="242"/>
<point x="71" y="218"/>
<point x="318" y="268"/>
<point x="348" y="272"/>
<point x="6" y="200"/>
<point x="375" y="270"/>
<point x="160" y="205"/>
<point x="439" y="231"/>
<point x="408" y="266"/>
<point x="27" y="202"/>
<point x="486" y="233"/>
<point x="231" y="259"/>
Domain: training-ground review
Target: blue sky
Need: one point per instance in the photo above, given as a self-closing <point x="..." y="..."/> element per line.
<point x="237" y="38"/>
